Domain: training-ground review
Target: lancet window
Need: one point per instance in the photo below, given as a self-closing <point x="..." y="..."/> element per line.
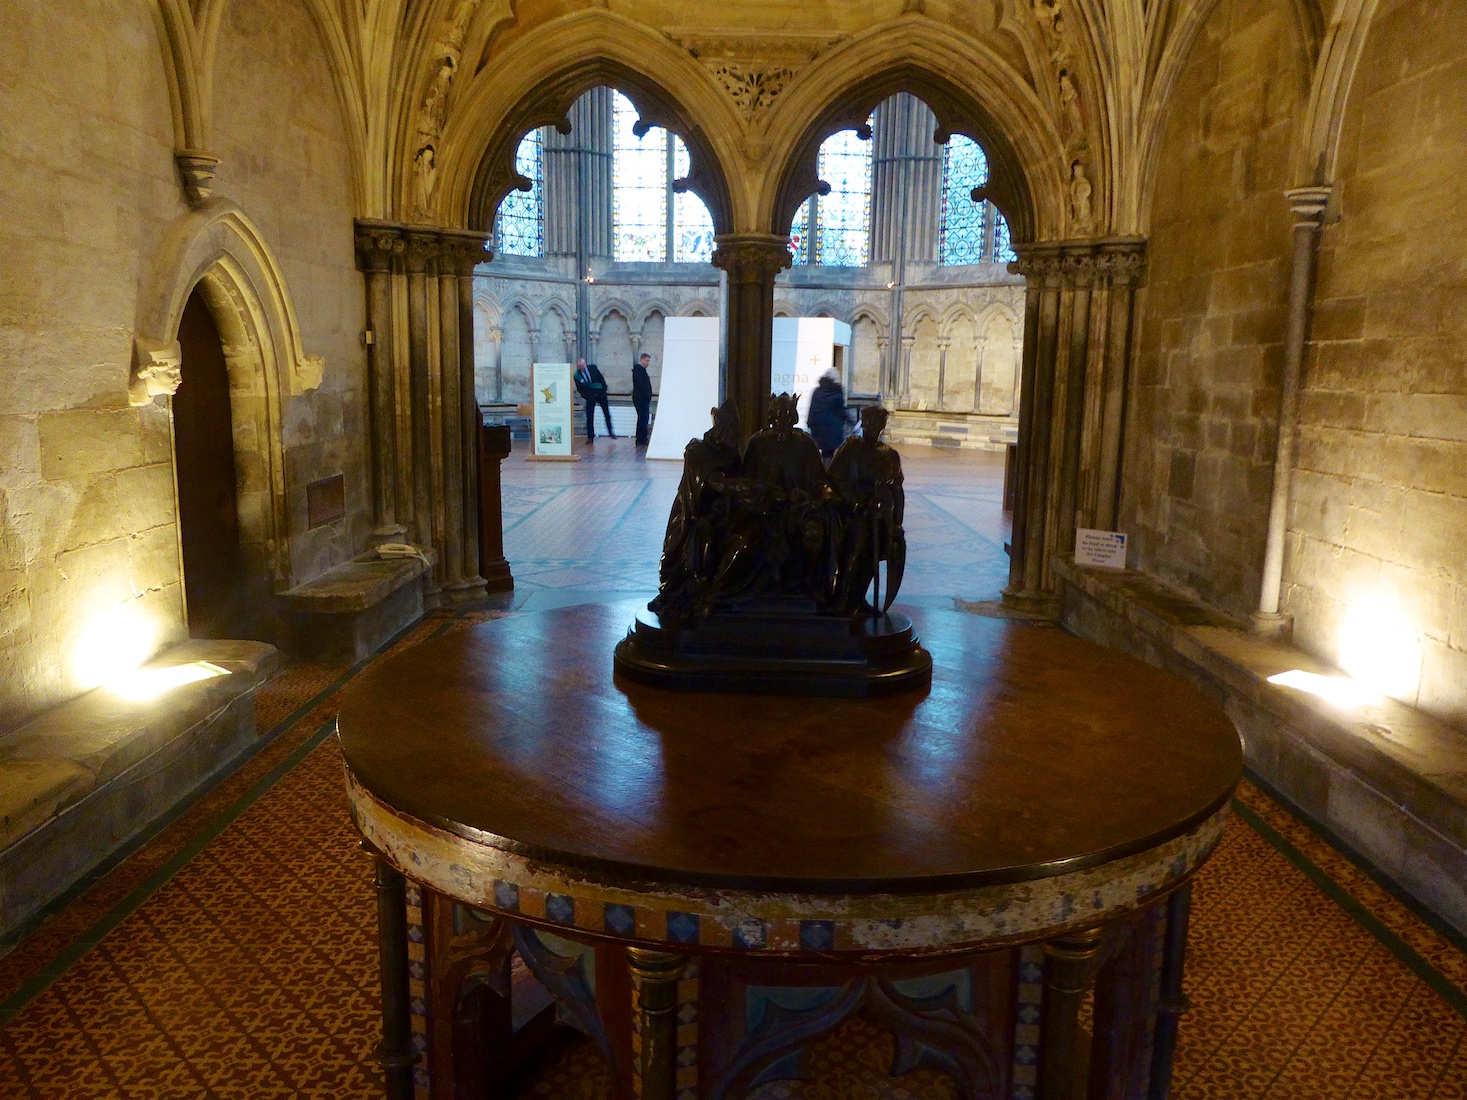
<point x="970" y="232"/>
<point x="835" y="229"/>
<point x="653" y="222"/>
<point x="519" y="228"/>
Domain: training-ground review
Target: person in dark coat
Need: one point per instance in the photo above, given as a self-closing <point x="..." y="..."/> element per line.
<point x="591" y="385"/>
<point x="827" y="417"/>
<point x="642" y="398"/>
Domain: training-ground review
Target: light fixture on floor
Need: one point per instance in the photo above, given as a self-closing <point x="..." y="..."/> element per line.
<point x="146" y="684"/>
<point x="1342" y="691"/>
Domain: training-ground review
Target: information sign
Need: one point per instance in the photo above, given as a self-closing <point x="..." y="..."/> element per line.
<point x="1104" y="549"/>
<point x="551" y="424"/>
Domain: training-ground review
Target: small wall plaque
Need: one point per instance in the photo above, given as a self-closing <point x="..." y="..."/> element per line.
<point x="325" y="500"/>
<point x="1104" y="549"/>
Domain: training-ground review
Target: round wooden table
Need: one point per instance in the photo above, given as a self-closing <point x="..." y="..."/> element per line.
<point x="706" y="883"/>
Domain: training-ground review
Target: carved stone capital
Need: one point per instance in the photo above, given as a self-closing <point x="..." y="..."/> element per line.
<point x="157" y="370"/>
<point x="378" y="243"/>
<point x="752" y="257"/>
<point x="421" y="249"/>
<point x="196" y="170"/>
<point x="308" y="373"/>
<point x="461" y="250"/>
<point x="1119" y="260"/>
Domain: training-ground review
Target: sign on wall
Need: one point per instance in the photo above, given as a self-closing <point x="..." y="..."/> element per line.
<point x="1103" y="549"/>
<point x="550" y="386"/>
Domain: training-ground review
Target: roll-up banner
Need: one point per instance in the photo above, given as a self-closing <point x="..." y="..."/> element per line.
<point x="551" y="423"/>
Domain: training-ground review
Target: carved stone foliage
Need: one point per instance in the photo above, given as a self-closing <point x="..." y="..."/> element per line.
<point x="1119" y="260"/>
<point x="752" y="257"/>
<point x="754" y="68"/>
<point x="753" y="88"/>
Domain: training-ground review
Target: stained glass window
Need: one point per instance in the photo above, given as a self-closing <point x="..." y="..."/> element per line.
<point x="1003" y="244"/>
<point x="835" y="229"/>
<point x="639" y="210"/>
<point x="520" y="224"/>
<point x="692" y="225"/>
<point x="649" y="226"/>
<point x="800" y="233"/>
<point x="964" y="229"/>
<point x="845" y="213"/>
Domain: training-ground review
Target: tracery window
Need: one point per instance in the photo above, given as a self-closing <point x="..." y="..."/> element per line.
<point x="835" y="229"/>
<point x="519" y="228"/>
<point x="970" y="232"/>
<point x="652" y="222"/>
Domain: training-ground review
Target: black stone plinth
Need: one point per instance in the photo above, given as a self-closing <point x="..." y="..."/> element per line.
<point x="777" y="647"/>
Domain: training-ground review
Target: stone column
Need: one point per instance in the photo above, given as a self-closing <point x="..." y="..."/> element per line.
<point x="459" y="420"/>
<point x="496" y="337"/>
<point x="904" y="371"/>
<point x="421" y="256"/>
<point x="752" y="260"/>
<point x="378" y="246"/>
<point x="943" y="344"/>
<point x="982" y="349"/>
<point x="1308" y="204"/>
<point x="1078" y="315"/>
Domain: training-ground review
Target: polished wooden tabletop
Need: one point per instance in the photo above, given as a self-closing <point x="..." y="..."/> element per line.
<point x="1034" y="753"/>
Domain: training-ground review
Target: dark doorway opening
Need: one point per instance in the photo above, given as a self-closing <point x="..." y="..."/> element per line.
<point x="208" y="505"/>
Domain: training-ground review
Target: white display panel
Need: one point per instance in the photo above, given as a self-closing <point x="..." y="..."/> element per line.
<point x="551" y="424"/>
<point x="689" y="384"/>
<point x="804" y="349"/>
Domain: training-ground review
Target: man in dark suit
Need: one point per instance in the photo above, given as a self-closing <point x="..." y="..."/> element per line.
<point x="642" y="398"/>
<point x="591" y="385"/>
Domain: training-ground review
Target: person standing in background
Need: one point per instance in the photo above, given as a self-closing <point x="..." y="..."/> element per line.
<point x="642" y="397"/>
<point x="827" y="417"/>
<point x="591" y="384"/>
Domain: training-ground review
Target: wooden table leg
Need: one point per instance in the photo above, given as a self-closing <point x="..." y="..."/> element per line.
<point x="658" y="972"/>
<point x="1070" y="965"/>
<point x="395" y="1052"/>
<point x="1173" y="1001"/>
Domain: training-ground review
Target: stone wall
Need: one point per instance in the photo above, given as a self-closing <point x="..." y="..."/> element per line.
<point x="284" y="159"/>
<point x="86" y="486"/>
<point x="89" y="552"/>
<point x="1379" y="516"/>
<point x="1203" y="418"/>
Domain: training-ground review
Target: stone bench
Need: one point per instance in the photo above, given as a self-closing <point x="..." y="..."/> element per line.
<point x="82" y="780"/>
<point x="1386" y="779"/>
<point x="350" y="612"/>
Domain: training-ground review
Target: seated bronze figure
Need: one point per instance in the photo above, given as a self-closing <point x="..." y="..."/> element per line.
<point x="771" y="567"/>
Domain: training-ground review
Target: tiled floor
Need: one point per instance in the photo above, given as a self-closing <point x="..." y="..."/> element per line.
<point x="234" y="953"/>
<point x="592" y="529"/>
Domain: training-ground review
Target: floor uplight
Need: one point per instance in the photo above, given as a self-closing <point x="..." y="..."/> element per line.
<point x="1342" y="691"/>
<point x="146" y="684"/>
<point x="1379" y="647"/>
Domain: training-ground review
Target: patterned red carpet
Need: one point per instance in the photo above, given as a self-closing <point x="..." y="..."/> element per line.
<point x="233" y="955"/>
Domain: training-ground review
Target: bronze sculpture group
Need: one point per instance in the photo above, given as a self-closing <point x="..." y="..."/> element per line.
<point x="769" y="522"/>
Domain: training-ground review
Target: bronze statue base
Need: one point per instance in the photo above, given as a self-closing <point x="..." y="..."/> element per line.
<point x="777" y="647"/>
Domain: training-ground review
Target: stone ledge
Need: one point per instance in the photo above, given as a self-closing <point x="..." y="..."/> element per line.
<point x="1386" y="778"/>
<point x="83" y="779"/>
<point x="349" y="612"/>
<point x="357" y="585"/>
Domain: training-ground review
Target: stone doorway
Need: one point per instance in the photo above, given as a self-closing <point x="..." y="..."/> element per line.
<point x="208" y="502"/>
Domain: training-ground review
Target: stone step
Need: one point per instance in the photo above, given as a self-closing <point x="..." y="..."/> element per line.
<point x="82" y="780"/>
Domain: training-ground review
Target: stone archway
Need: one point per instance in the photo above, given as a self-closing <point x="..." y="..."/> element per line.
<point x="214" y="254"/>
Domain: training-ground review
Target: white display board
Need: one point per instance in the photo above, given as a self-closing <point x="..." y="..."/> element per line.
<point x="689" y="384"/>
<point x="804" y="349"/>
<point x="550" y="390"/>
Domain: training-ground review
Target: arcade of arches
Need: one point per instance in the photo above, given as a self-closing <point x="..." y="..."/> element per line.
<point x="1233" y="326"/>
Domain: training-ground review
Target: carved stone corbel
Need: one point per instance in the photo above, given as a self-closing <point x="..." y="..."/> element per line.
<point x="196" y="170"/>
<point x="157" y="370"/>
